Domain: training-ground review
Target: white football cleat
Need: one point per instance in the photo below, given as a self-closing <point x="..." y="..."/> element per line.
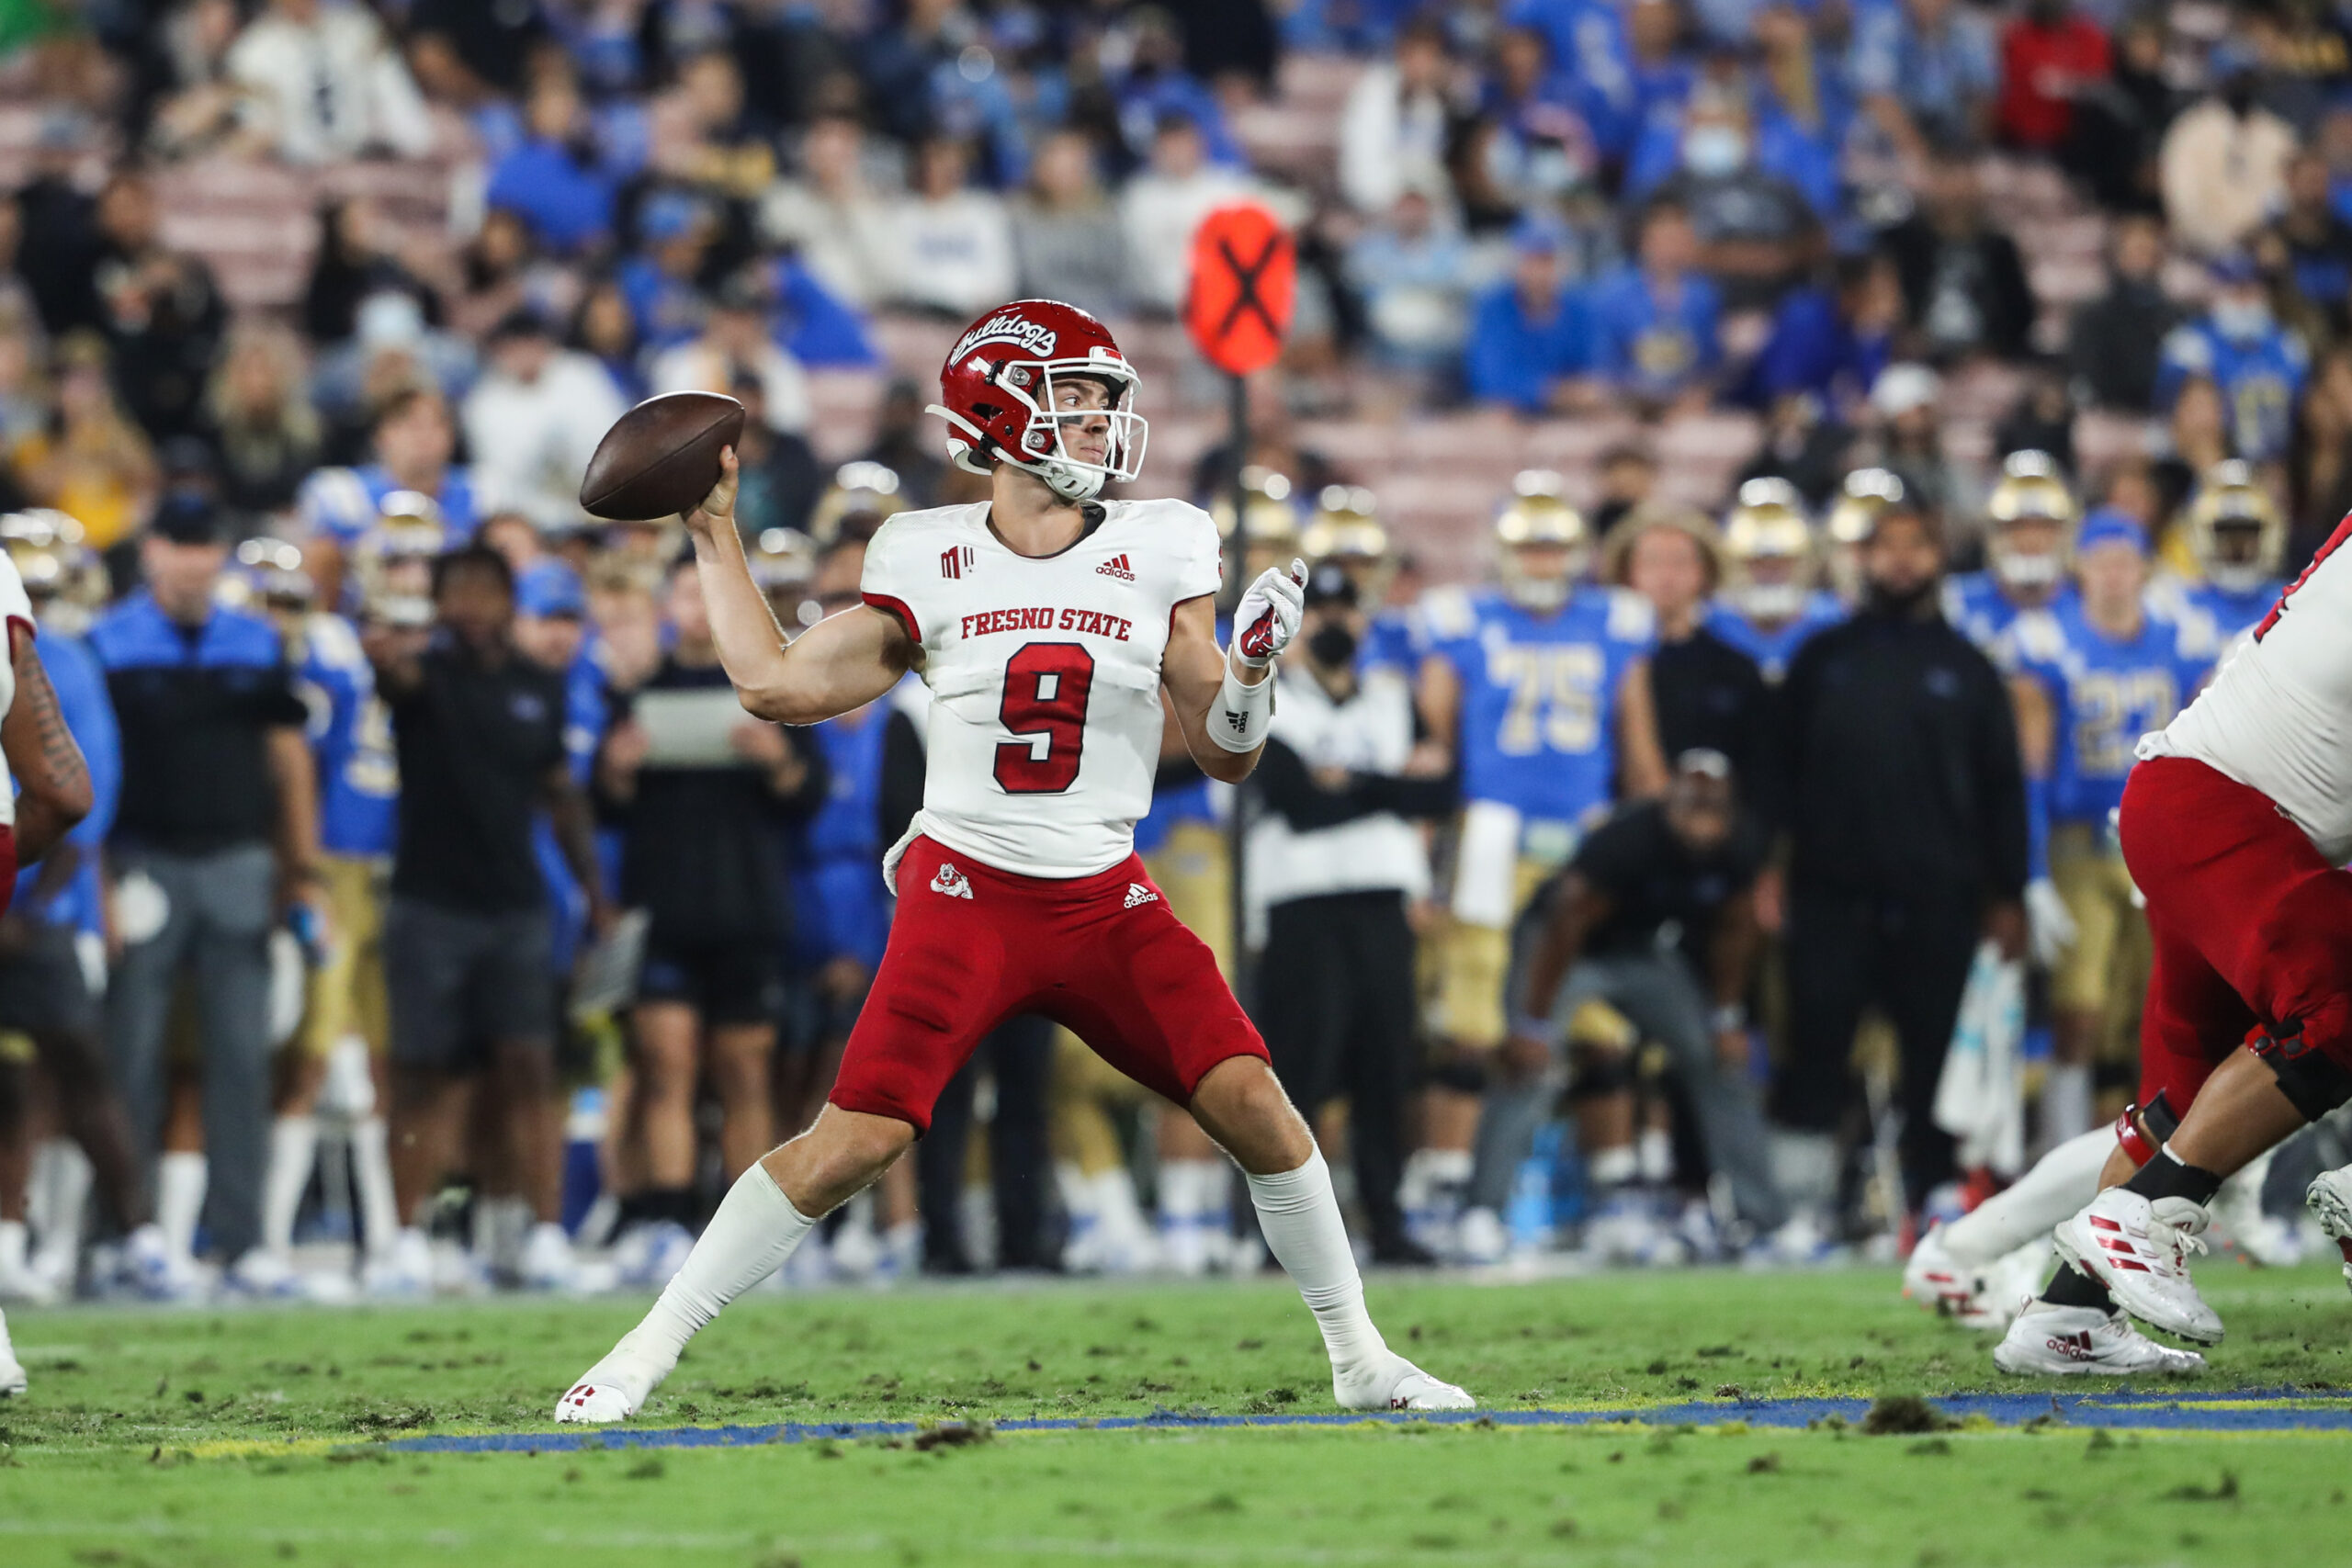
<point x="613" y="1389"/>
<point x="2329" y="1197"/>
<point x="12" y="1371"/>
<point x="1388" y="1381"/>
<point x="1480" y="1238"/>
<point x="1985" y="1296"/>
<point x="2064" y="1341"/>
<point x="2140" y="1251"/>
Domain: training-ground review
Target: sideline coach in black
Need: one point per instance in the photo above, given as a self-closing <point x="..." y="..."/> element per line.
<point x="467" y="940"/>
<point x="215" y="837"/>
<point x="1906" y="804"/>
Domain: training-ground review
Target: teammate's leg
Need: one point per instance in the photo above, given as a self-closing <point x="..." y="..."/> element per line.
<point x="12" y="1372"/>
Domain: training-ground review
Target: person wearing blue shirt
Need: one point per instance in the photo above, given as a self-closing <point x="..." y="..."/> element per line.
<point x="2238" y="539"/>
<point x="658" y="282"/>
<point x="556" y="175"/>
<point x="358" y="785"/>
<point x="1925" y="70"/>
<point x="1590" y="46"/>
<point x="2259" y="364"/>
<point x="1528" y="334"/>
<point x="1541" y="688"/>
<point x="415" y="440"/>
<point x="1772" y="603"/>
<point x="2030" y="524"/>
<point x="1831" y="342"/>
<point x="551" y="629"/>
<point x="1653" y="324"/>
<point x="2090" y="678"/>
<point x="1771" y="146"/>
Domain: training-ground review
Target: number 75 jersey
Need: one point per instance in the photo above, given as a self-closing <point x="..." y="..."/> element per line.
<point x="1539" y="693"/>
<point x="1045" y="715"/>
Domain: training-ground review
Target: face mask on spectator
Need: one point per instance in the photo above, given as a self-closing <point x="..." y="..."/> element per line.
<point x="1711" y="151"/>
<point x="1333" y="647"/>
<point x="2242" y="319"/>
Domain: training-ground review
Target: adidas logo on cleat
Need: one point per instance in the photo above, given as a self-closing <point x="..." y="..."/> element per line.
<point x="951" y="882"/>
<point x="1138" y="893"/>
<point x="2073" y="1346"/>
<point x="1117" y="566"/>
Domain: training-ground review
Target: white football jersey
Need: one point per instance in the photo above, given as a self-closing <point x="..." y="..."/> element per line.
<point x="2278" y="715"/>
<point x="16" y="610"/>
<point x="1046" y="718"/>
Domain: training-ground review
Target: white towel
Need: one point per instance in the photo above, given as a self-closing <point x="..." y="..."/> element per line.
<point x="1486" y="872"/>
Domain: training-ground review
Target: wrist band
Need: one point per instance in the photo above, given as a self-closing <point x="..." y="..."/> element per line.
<point x="1241" y="714"/>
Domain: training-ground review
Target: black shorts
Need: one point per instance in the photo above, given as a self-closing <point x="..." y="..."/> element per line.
<point x="460" y="982"/>
<point x="727" y="980"/>
<point x="42" y="988"/>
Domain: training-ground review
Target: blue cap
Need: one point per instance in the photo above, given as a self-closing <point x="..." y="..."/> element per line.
<point x="550" y="588"/>
<point x="666" y="215"/>
<point x="1539" y="233"/>
<point x="2109" y="525"/>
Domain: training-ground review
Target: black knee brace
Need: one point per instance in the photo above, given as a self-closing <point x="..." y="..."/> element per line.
<point x="1461" y="1071"/>
<point x="2314" y="1082"/>
<point x="1598" y="1073"/>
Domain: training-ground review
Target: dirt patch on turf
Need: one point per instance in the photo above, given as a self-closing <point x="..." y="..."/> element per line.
<point x="1904" y="1414"/>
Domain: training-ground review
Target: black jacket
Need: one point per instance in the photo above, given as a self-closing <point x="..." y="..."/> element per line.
<point x="1985" y="268"/>
<point x="2117" y="342"/>
<point x="1902" y="776"/>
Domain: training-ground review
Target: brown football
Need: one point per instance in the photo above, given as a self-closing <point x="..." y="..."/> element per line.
<point x="660" y="457"/>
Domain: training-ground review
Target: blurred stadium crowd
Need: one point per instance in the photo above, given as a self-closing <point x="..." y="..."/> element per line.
<point x="1624" y="327"/>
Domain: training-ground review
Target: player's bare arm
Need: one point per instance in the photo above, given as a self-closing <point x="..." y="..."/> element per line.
<point x="841" y="663"/>
<point x="1640" y="757"/>
<point x="52" y="780"/>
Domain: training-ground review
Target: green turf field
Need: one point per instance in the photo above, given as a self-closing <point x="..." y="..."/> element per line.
<point x="237" y="1436"/>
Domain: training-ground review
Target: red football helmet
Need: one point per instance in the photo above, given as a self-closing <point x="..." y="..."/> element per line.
<point x="1004" y="386"/>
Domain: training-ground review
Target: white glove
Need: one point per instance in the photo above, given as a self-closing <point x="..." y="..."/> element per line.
<point x="1269" y="615"/>
<point x="2050" y="924"/>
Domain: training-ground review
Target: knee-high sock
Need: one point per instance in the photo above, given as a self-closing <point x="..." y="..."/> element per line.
<point x="371" y="1172"/>
<point x="62" y="1177"/>
<point x="1301" y="1221"/>
<point x="180" y="1181"/>
<point x="2061" y="1182"/>
<point x="293" y="1147"/>
<point x="748" y="1239"/>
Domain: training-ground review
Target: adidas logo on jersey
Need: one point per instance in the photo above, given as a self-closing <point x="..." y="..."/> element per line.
<point x="1138" y="893"/>
<point x="951" y="882"/>
<point x="1117" y="566"/>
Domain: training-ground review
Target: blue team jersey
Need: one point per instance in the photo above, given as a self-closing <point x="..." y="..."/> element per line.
<point x="1772" y="650"/>
<point x="1647" y="344"/>
<point x="2212" y="613"/>
<point x="840" y="906"/>
<point x="2104" y="695"/>
<point x="343" y="503"/>
<point x="2261" y="378"/>
<point x="1538" y="724"/>
<point x="88" y="713"/>
<point x="1975" y="604"/>
<point x="1388" y="643"/>
<point x="351" y="740"/>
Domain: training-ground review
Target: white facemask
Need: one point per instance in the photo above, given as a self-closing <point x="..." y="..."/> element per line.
<point x="2240" y="319"/>
<point x="1713" y="151"/>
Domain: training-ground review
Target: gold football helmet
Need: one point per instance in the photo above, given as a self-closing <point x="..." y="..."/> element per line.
<point x="1545" y="544"/>
<point x="1770" y="545"/>
<point x="2235" y="530"/>
<point x="2031" y="518"/>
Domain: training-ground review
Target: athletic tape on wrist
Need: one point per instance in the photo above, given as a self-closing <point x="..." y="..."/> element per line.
<point x="1241" y="714"/>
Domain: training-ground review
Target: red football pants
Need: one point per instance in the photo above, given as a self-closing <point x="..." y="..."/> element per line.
<point x="2253" y="930"/>
<point x="971" y="946"/>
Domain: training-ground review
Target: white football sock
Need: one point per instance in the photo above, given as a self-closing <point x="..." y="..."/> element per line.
<point x="1196" y="1190"/>
<point x="1300" y="1217"/>
<point x="180" y="1181"/>
<point x="2065" y="1102"/>
<point x="1654" y="1149"/>
<point x="12" y="1247"/>
<point x="293" y="1146"/>
<point x="1613" y="1168"/>
<point x="1433" y="1177"/>
<point x="2061" y="1182"/>
<point x="748" y="1239"/>
<point x="62" y="1189"/>
<point x="371" y="1172"/>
